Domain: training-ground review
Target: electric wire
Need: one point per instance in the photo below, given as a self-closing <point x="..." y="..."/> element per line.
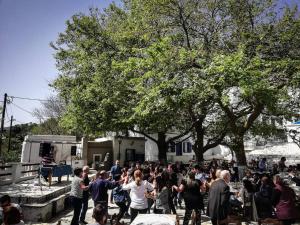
<point x="19" y="107"/>
<point x="30" y="99"/>
<point x="7" y="113"/>
<point x="10" y="108"/>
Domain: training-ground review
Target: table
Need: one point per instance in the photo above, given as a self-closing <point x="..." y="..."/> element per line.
<point x="155" y="219"/>
<point x="56" y="171"/>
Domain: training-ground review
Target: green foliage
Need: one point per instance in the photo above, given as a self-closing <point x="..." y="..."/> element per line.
<point x="18" y="134"/>
<point x="206" y="67"/>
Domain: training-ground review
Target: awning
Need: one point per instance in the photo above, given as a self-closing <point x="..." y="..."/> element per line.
<point x="219" y="152"/>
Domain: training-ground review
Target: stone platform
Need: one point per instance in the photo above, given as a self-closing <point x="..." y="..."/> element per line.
<point x="39" y="202"/>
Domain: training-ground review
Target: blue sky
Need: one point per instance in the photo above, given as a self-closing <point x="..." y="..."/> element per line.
<point x="26" y="60"/>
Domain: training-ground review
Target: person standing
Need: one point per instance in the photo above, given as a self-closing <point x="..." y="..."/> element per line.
<point x="263" y="198"/>
<point x="161" y="194"/>
<point x="120" y="197"/>
<point x="192" y="197"/>
<point x="77" y="187"/>
<point x="85" y="194"/>
<point x="138" y="188"/>
<point x="115" y="171"/>
<point x="262" y="165"/>
<point x="172" y="181"/>
<point x="99" y="188"/>
<point x="247" y="196"/>
<point x="281" y="164"/>
<point x="218" y="199"/>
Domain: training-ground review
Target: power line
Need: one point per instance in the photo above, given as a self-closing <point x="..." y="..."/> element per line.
<point x="31" y="99"/>
<point x="21" y="108"/>
<point x="6" y="113"/>
<point x="10" y="108"/>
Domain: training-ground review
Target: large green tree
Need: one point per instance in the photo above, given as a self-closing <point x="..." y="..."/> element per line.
<point x="206" y="68"/>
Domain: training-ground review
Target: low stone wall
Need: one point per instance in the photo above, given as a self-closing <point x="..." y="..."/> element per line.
<point x="43" y="212"/>
<point x="41" y="199"/>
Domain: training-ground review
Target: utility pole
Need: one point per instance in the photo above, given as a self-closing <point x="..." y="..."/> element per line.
<point x="2" y="122"/>
<point x="9" y="137"/>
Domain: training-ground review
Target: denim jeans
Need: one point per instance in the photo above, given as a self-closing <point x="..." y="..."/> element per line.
<point x="85" y="204"/>
<point x="77" y="204"/>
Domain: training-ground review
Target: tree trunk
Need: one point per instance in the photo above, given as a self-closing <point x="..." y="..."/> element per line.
<point x="199" y="143"/>
<point x="162" y="147"/>
<point x="239" y="149"/>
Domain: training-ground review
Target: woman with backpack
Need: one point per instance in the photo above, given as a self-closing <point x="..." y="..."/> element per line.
<point x="120" y="197"/>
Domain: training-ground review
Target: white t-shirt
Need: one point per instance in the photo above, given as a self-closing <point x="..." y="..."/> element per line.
<point x="137" y="194"/>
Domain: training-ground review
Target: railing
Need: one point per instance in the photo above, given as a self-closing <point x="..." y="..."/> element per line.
<point x="5" y="172"/>
<point x="16" y="172"/>
<point x="30" y="169"/>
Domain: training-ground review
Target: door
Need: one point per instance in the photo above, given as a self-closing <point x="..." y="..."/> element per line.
<point x="130" y="155"/>
<point x="97" y="159"/>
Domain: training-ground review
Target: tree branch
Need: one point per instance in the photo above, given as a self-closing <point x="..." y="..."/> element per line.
<point x="216" y="142"/>
<point x="229" y="113"/>
<point x="184" y="27"/>
<point x="253" y="116"/>
<point x="183" y="134"/>
<point x="146" y="135"/>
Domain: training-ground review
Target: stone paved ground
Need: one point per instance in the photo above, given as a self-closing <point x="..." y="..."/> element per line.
<point x="66" y="216"/>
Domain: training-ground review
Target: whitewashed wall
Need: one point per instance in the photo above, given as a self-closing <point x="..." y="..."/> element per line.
<point x="62" y="145"/>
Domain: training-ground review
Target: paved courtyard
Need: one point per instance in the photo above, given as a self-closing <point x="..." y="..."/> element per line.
<point x="66" y="216"/>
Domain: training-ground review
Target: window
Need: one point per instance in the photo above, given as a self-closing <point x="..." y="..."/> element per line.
<point x="186" y="147"/>
<point x="171" y="147"/>
<point x="189" y="147"/>
<point x="179" y="149"/>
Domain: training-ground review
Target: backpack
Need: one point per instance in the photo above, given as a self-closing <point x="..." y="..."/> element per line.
<point x="119" y="194"/>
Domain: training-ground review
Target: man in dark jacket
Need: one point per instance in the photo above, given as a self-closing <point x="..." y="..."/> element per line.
<point x="218" y="199"/>
<point x="99" y="188"/>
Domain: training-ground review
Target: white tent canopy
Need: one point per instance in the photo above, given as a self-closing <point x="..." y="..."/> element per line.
<point x="287" y="149"/>
<point x="219" y="152"/>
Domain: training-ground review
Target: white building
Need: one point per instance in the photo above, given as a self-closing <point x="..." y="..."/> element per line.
<point x="62" y="147"/>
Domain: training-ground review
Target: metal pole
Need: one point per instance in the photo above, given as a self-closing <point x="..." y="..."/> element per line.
<point x="2" y="122"/>
<point x="9" y="137"/>
<point x="119" y="151"/>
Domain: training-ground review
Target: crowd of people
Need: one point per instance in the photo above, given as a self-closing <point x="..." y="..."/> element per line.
<point x="155" y="188"/>
<point x="215" y="189"/>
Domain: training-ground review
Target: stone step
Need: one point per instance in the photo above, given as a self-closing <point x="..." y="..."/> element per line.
<point x="43" y="212"/>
